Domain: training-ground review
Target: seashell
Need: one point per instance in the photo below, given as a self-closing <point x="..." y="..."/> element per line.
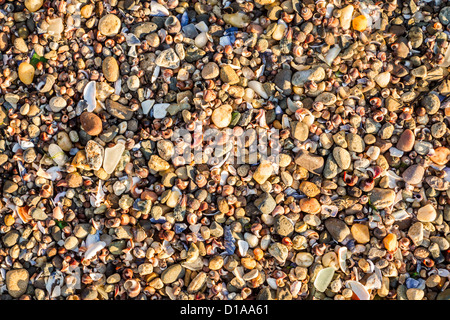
<point x="251" y="275"/>
<point x="158" y="10"/>
<point x="57" y="213"/>
<point x="272" y="283"/>
<point x="223" y="177"/>
<point x="89" y="94"/>
<point x="242" y="247"/>
<point x="342" y="258"/>
<point x="23" y="214"/>
<point x="400" y="215"/>
<point x="332" y="54"/>
<point x="373" y="282"/>
<point x="258" y="88"/>
<point x="359" y="290"/>
<point x="118" y="86"/>
<point x="443" y="273"/>
<point x="132" y="40"/>
<point x="229" y="241"/>
<point x="133" y="287"/>
<point x="112" y="157"/>
<point x="93" y="249"/>
<point x="184" y="19"/>
<point x="324" y="278"/>
<point x="132" y="52"/>
<point x="295" y="287"/>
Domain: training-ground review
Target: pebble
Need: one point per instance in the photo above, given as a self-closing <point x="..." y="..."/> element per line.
<point x="221" y="116"/>
<point x="342" y="158"/>
<point x="315" y="74"/>
<point x="26" y="73"/>
<point x="33" y="5"/>
<point x="109" y="25"/>
<point x="382" y="198"/>
<point x="168" y="59"/>
<point x="390" y="242"/>
<point x="210" y="71"/>
<point x="279" y="251"/>
<point x="360" y="232"/>
<point x="228" y="75"/>
<point x="441" y="156"/>
<point x="355" y="143"/>
<point x="94" y="154"/>
<point x="415" y="294"/>
<point x="300" y="130"/>
<point x="406" y="141"/>
<point x="10" y="238"/>
<point x="337" y="228"/>
<point x="158" y="164"/>
<point x="265" y="203"/>
<point x="91" y="123"/>
<point x="311" y="162"/>
<point x="110" y="69"/>
<point x="426" y="213"/>
<point x="95" y="167"/>
<point x="172" y="273"/>
<point x="414" y="174"/>
<point x="118" y="110"/>
<point x="309" y="189"/>
<point x="283" y="226"/>
<point x="17" y="282"/>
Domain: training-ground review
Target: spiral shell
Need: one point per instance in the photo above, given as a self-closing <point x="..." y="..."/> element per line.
<point x="133" y="287"/>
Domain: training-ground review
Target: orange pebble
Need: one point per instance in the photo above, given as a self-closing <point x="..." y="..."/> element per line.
<point x="447" y="112"/>
<point x="390" y="242"/>
<point x="360" y="23"/>
<point x="259" y="254"/>
<point x="441" y="156"/>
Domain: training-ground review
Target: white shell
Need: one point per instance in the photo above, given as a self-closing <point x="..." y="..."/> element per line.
<point x="272" y="283"/>
<point x="332" y="54"/>
<point x="93" y="249"/>
<point x="89" y="95"/>
<point x="359" y="290"/>
<point x="158" y="10"/>
<point x="400" y="215"/>
<point x="342" y="257"/>
<point x="258" y="88"/>
<point x="242" y="247"/>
